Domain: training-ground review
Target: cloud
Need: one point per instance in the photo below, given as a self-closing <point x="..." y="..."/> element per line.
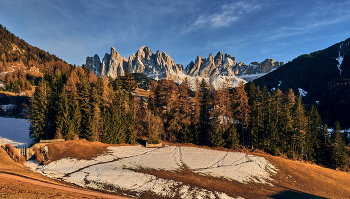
<point x="226" y="16"/>
<point x="321" y="16"/>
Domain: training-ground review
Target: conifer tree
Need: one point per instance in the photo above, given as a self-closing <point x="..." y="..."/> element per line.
<point x="204" y="114"/>
<point x="254" y="124"/>
<point x="181" y="114"/>
<point x="232" y="138"/>
<point x="39" y="128"/>
<point x="97" y="123"/>
<point x="313" y="135"/>
<point x="73" y="124"/>
<point x="277" y="115"/>
<point x="324" y="155"/>
<point x="62" y="116"/>
<point x="85" y="108"/>
<point x="287" y="123"/>
<point x="154" y="127"/>
<point x="113" y="132"/>
<point x="338" y="148"/>
<point x="264" y="115"/>
<point x="299" y="126"/>
<point x="241" y="109"/>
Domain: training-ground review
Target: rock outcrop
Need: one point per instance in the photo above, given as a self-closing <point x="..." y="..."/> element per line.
<point x="157" y="66"/>
<point x="227" y="66"/>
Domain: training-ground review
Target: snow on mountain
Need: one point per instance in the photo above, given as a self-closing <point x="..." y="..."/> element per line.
<point x="222" y="70"/>
<point x="343" y="50"/>
<point x="302" y="92"/>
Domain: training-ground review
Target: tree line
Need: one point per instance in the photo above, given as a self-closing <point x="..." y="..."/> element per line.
<point x="76" y="103"/>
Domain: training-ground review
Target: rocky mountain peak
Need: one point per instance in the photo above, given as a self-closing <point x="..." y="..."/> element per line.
<point x="218" y="58"/>
<point x="161" y="65"/>
<point x="144" y="53"/>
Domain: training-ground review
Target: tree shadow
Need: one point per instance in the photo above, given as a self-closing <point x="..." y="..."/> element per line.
<point x="142" y="142"/>
<point x="292" y="194"/>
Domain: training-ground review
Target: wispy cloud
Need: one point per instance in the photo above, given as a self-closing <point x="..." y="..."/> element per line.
<point x="322" y="16"/>
<point x="226" y="16"/>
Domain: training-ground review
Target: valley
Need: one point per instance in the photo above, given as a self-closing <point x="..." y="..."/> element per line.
<point x="227" y="129"/>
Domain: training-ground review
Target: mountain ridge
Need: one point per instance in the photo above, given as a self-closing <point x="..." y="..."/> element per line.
<point x="324" y="75"/>
<point x="161" y="66"/>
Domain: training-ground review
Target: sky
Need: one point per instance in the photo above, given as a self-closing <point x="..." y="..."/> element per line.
<point x="250" y="30"/>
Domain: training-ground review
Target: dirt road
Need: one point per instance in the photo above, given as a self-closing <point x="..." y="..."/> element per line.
<point x="44" y="184"/>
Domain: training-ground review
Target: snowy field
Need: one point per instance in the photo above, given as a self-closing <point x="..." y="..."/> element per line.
<point x="15" y="131"/>
<point x="115" y="169"/>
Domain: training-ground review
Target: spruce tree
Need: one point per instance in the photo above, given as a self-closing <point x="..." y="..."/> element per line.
<point x="324" y="154"/>
<point x="313" y="135"/>
<point x="62" y="116"/>
<point x="86" y="126"/>
<point x="299" y="126"/>
<point x="113" y="132"/>
<point x="287" y="123"/>
<point x="232" y="138"/>
<point x="74" y="123"/>
<point x="338" y="148"/>
<point x="204" y="115"/>
<point x="39" y="128"/>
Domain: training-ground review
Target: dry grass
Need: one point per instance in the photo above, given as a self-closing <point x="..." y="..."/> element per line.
<point x="80" y="149"/>
<point x="15" y="154"/>
<point x="39" y="157"/>
<point x="143" y="93"/>
<point x="9" y="93"/>
<point x="294" y="179"/>
<point x="10" y="188"/>
<point x="311" y="179"/>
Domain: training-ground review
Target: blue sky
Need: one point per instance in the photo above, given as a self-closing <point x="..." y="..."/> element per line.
<point x="250" y="30"/>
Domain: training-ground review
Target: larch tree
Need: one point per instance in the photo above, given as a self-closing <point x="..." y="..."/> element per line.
<point x="241" y="110"/>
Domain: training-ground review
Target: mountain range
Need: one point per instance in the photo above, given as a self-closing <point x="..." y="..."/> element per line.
<point x="321" y="77"/>
<point x="221" y="68"/>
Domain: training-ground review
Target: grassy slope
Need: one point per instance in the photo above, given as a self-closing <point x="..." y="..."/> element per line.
<point x="16" y="189"/>
<point x="294" y="179"/>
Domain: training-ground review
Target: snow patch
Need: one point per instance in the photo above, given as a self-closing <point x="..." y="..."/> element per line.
<point x="302" y="92"/>
<point x="217" y="82"/>
<point x="15" y="131"/>
<point x="340" y="61"/>
<point x="116" y="169"/>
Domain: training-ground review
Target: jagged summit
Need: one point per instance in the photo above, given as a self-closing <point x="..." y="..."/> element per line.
<point x="162" y="66"/>
<point x="227" y="66"/>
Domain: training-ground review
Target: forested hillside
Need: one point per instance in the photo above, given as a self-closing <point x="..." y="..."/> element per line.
<point x="15" y="51"/>
<point x="78" y="104"/>
<point x="71" y="102"/>
<point x="21" y="68"/>
<point x="324" y="75"/>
